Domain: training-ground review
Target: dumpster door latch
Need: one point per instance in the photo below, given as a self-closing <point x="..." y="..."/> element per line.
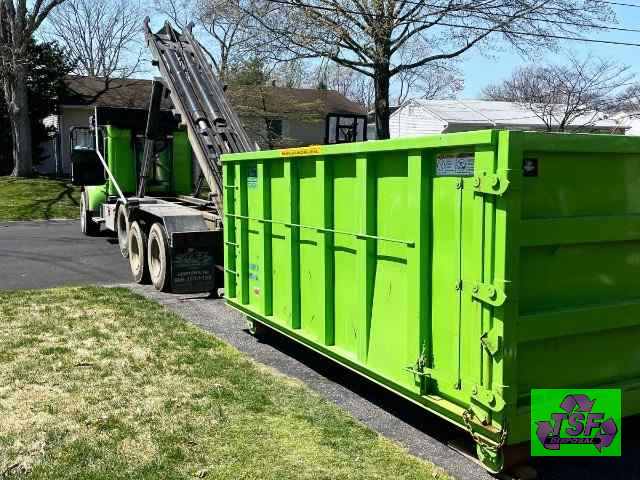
<point x="489" y="294"/>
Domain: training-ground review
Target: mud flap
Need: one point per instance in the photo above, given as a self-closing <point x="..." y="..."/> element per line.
<point x="193" y="260"/>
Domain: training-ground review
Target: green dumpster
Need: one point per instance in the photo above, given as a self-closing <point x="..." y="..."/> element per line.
<point x="459" y="270"/>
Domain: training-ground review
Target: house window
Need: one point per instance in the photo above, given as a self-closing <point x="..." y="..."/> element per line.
<point x="274" y="128"/>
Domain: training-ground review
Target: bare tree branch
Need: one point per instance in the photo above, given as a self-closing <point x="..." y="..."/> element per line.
<point x="228" y="38"/>
<point x="103" y="36"/>
<point x="565" y="97"/>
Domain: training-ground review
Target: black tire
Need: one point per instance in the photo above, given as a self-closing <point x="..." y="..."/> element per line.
<point x="138" y="253"/>
<point x="158" y="258"/>
<point x="122" y="229"/>
<point x="87" y="225"/>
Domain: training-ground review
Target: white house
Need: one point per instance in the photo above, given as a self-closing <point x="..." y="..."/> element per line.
<point x="632" y="120"/>
<point x="422" y="117"/>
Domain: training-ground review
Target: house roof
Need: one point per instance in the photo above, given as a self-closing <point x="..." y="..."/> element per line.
<point x="630" y="119"/>
<point x="99" y="92"/>
<point x="135" y="94"/>
<point x="291" y="101"/>
<point x="496" y="114"/>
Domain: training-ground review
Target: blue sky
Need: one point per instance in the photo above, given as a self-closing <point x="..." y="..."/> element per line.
<point x="480" y="71"/>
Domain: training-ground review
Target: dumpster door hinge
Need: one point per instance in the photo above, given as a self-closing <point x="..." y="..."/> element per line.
<point x="491" y="341"/>
<point x="489" y="294"/>
<point x="487" y="398"/>
<point x="491" y="183"/>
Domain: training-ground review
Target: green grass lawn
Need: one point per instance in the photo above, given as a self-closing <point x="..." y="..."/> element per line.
<point x="37" y="199"/>
<point x="100" y="383"/>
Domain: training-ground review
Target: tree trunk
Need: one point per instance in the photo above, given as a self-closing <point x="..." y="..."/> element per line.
<point x="381" y="81"/>
<point x="20" y="124"/>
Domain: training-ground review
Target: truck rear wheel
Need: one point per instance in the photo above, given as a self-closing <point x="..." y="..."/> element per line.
<point x="122" y="229"/>
<point x="138" y="253"/>
<point x="158" y="258"/>
<point x="87" y="225"/>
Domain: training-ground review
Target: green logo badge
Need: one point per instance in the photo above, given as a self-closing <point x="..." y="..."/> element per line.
<point x="576" y="423"/>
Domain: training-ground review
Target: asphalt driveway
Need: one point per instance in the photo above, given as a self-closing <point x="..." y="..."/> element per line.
<point x="54" y="253"/>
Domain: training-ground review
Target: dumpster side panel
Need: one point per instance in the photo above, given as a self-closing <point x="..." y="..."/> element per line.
<point x="231" y="250"/>
<point x="446" y="286"/>
<point x="388" y="351"/>
<point x="313" y="312"/>
<point x="281" y="241"/>
<point x="579" y="297"/>
<point x="345" y="256"/>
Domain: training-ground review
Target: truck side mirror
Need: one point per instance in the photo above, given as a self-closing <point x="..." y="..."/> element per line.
<point x="86" y="168"/>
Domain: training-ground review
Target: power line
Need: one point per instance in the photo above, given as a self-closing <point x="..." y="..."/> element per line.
<point x="558" y="22"/>
<point x="621" y="4"/>
<point x="585" y="25"/>
<point x="608" y="2"/>
<point x="542" y="35"/>
<point x="486" y="29"/>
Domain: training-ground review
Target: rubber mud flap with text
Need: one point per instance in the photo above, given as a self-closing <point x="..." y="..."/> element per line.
<point x="192" y="265"/>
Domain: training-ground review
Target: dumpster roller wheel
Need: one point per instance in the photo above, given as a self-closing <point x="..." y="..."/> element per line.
<point x="138" y="253"/>
<point x="257" y="329"/>
<point x="158" y="258"/>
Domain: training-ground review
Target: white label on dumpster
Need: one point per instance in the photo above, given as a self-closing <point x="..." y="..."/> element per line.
<point x="455" y="165"/>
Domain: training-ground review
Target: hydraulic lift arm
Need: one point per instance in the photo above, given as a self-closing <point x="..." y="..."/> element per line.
<point x="198" y="96"/>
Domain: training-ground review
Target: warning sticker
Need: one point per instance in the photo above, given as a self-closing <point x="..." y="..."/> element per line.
<point x="460" y="165"/>
<point x="252" y="176"/>
<point x="301" y="151"/>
